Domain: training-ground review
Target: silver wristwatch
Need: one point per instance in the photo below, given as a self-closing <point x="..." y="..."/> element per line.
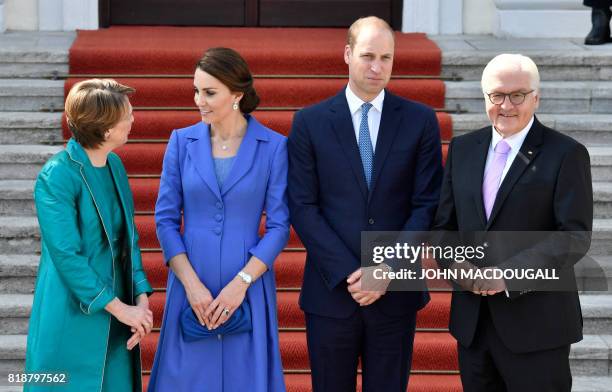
<point x="246" y="278"/>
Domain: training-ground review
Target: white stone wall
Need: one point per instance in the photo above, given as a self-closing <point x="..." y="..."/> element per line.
<point x="49" y="15"/>
<point x="478" y="16"/>
<point x="21" y="14"/>
<point x="541" y="18"/>
<point x="504" y="18"/>
<point x="2" y="26"/>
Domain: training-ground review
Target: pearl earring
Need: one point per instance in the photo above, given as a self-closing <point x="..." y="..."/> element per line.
<point x="235" y="106"/>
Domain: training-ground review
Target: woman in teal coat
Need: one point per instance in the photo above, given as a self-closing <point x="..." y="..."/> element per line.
<point x="91" y="304"/>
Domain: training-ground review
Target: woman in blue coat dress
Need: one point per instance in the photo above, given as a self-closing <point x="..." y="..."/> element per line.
<point x="218" y="177"/>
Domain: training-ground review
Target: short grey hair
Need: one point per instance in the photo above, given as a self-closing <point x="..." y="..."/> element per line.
<point x="515" y="62"/>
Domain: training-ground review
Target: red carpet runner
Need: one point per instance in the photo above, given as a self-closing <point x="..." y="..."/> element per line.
<point x="293" y="68"/>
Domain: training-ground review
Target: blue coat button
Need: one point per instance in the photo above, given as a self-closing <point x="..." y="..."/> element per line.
<point x="217" y="230"/>
<point x="219" y="205"/>
<point x="218" y="217"/>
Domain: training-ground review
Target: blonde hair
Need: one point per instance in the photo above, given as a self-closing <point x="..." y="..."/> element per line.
<point x="514" y="62"/>
<point x="92" y="107"/>
<point x="353" y="31"/>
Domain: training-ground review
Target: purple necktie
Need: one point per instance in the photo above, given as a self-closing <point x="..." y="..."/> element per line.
<point x="492" y="176"/>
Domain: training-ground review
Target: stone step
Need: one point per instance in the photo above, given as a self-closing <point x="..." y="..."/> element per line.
<point x="15" y="312"/>
<point x="593" y="275"/>
<point x="21" y="161"/>
<point x="601" y="163"/>
<point x="590" y="357"/>
<point x="589" y="129"/>
<point x="16" y="304"/>
<point x="18" y="273"/>
<point x="30" y="127"/>
<point x="556" y="58"/>
<point x="556" y="96"/>
<point x="597" y="313"/>
<point x="34" y="54"/>
<point x="592" y="384"/>
<point x="601" y="241"/>
<point x="31" y="95"/>
<point x="602" y="199"/>
<point x="12" y="354"/>
<point x="16" y="198"/>
<point x="19" y="235"/>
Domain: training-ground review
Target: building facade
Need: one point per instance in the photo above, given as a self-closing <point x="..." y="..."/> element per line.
<point x="502" y="18"/>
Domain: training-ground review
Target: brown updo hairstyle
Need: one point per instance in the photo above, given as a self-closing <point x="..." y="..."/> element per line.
<point x="232" y="70"/>
<point x="94" y="106"/>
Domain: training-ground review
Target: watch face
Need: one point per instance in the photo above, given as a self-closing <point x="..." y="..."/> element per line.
<point x="246" y="277"/>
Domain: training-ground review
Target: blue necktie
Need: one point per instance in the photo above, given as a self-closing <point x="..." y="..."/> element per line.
<point x="365" y="143"/>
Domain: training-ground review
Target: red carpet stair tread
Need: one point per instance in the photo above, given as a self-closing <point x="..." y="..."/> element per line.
<point x="158" y="124"/>
<point x="272" y="51"/>
<point x="272" y="92"/>
<point x="433" y="318"/>
<point x="166" y="103"/>
<point x="145" y="224"/>
<point x="418" y="383"/>
<point x="432" y="351"/>
<point x="147" y="158"/>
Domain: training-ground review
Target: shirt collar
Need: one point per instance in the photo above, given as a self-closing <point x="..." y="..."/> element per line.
<point x="515" y="141"/>
<point x="355" y="102"/>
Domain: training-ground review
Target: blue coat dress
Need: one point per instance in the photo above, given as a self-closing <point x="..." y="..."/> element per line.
<point x="220" y="233"/>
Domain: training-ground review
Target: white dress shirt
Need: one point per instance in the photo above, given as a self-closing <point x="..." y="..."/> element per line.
<point x="374" y="114"/>
<point x="515" y="142"/>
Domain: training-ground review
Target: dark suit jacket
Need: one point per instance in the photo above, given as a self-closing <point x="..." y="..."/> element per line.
<point x="548" y="188"/>
<point x="330" y="204"/>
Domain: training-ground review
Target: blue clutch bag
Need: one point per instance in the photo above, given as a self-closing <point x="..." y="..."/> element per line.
<point x="238" y="323"/>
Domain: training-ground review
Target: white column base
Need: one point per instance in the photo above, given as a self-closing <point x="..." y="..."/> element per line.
<point x="541" y="18"/>
<point x="2" y="25"/>
<point x="433" y="16"/>
<point x="67" y="15"/>
<point x="542" y="23"/>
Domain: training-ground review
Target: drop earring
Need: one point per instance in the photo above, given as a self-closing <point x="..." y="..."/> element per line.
<point x="235" y="106"/>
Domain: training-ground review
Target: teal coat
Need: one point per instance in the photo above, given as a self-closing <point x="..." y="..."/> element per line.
<point x="69" y="328"/>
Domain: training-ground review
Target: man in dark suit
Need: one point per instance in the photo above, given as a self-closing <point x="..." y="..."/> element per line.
<point x="517" y="175"/>
<point x="362" y="160"/>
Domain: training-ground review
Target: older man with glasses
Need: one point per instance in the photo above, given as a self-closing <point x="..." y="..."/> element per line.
<point x="516" y="175"/>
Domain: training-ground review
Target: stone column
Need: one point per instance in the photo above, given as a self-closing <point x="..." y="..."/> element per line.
<point x="2" y="25"/>
<point x="433" y="16"/>
<point x="67" y="15"/>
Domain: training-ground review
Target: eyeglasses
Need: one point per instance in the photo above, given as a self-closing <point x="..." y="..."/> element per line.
<point x="516" y="98"/>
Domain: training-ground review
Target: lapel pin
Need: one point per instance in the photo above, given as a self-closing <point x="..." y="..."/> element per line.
<point x="530" y="152"/>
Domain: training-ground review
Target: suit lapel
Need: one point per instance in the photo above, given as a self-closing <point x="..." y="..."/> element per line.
<point x="529" y="150"/>
<point x="475" y="172"/>
<point x="389" y="126"/>
<point x="200" y="152"/>
<point x="342" y="124"/>
<point x="246" y="154"/>
<point x="96" y="190"/>
<point x="123" y="186"/>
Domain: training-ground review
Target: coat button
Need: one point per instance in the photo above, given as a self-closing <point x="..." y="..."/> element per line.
<point x="217" y="230"/>
<point x="218" y="217"/>
<point x="371" y="221"/>
<point x="219" y="205"/>
<point x="219" y="336"/>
